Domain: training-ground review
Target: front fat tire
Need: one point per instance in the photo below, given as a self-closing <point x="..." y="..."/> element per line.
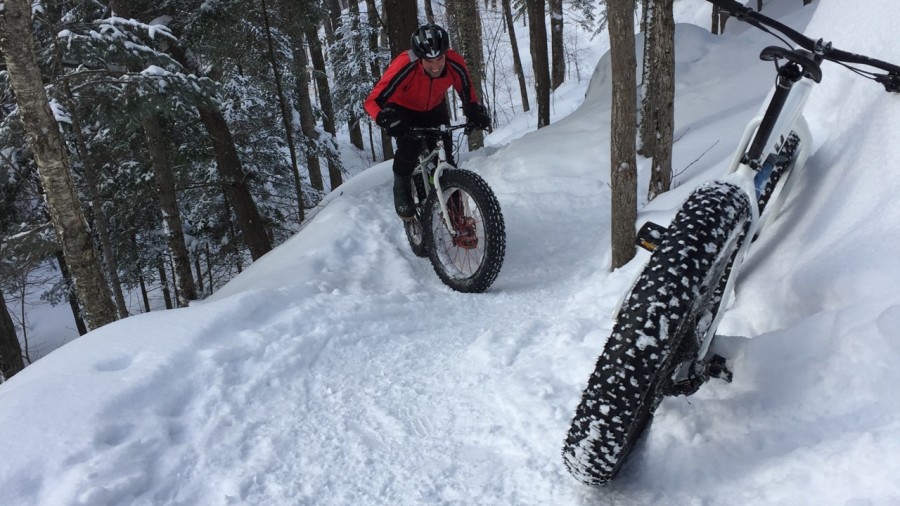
<point x="659" y="313"/>
<point x="466" y="270"/>
<point x="413" y="227"/>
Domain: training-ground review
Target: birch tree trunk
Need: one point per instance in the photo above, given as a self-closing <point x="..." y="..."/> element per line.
<point x="93" y="184"/>
<point x="42" y="130"/>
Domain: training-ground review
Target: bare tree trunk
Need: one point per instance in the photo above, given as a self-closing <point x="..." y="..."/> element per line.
<point x="558" y="56"/>
<point x="333" y="20"/>
<point x="315" y="172"/>
<point x="93" y="184"/>
<point x="228" y="163"/>
<point x="71" y="296"/>
<point x="658" y="117"/>
<point x="144" y="296"/>
<point x="237" y="192"/>
<point x="321" y="78"/>
<point x="468" y="22"/>
<point x="623" y="164"/>
<point x="387" y="146"/>
<point x="239" y="264"/>
<point x="646" y="140"/>
<point x="164" y="282"/>
<point x="402" y="21"/>
<point x="252" y="224"/>
<point x="429" y="12"/>
<point x="304" y="104"/>
<point x="645" y="7"/>
<point x="174" y="275"/>
<point x="539" y="59"/>
<point x="18" y="47"/>
<point x="199" y="273"/>
<point x="320" y="75"/>
<point x="517" y="61"/>
<point x="209" y="269"/>
<point x="157" y="142"/>
<point x="10" y="350"/>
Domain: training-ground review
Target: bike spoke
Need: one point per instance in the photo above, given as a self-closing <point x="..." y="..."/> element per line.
<point x="462" y="248"/>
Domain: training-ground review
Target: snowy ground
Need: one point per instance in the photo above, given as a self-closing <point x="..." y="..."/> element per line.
<point x="338" y="370"/>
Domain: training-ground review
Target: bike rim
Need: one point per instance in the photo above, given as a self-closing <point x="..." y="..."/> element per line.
<point x="461" y="250"/>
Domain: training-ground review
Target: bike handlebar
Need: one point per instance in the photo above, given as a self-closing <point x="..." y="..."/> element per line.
<point x="819" y="48"/>
<point x="439" y="130"/>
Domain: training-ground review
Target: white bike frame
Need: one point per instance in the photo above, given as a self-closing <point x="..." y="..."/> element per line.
<point x="790" y="120"/>
<point x="442" y="164"/>
<point x="742" y="174"/>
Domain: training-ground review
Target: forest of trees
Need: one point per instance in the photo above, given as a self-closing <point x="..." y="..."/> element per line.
<point x="161" y="147"/>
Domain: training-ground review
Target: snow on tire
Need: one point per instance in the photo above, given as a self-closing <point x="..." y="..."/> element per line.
<point x="661" y="310"/>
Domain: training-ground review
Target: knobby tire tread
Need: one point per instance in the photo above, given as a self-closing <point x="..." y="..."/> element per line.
<point x="415" y="233"/>
<point x="656" y="317"/>
<point x="493" y="228"/>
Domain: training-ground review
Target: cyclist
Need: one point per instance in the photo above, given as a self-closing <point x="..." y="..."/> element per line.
<point x="412" y="93"/>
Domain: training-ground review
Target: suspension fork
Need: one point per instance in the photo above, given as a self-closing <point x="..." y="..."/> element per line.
<point x="438" y="171"/>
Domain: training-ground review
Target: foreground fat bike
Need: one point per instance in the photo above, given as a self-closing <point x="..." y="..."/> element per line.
<point x="458" y="223"/>
<point x="661" y="343"/>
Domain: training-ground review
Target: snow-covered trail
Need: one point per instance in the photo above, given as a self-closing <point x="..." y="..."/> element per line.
<point x="339" y="370"/>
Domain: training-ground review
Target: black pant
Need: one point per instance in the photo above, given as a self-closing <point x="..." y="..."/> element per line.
<point x="408" y="148"/>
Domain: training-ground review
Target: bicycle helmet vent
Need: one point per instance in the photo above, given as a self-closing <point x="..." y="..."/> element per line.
<point x="430" y="41"/>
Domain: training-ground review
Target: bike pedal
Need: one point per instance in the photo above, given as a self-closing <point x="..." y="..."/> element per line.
<point x="718" y="368"/>
<point x="650" y="235"/>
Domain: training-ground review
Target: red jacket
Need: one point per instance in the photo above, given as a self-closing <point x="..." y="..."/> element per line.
<point x="406" y="84"/>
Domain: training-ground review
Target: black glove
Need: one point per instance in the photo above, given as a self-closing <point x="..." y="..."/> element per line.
<point x="478" y="116"/>
<point x="392" y="120"/>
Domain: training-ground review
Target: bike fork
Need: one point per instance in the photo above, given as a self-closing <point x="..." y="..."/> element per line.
<point x="438" y="171"/>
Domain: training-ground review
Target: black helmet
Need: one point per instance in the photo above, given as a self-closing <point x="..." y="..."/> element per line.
<point x="430" y="41"/>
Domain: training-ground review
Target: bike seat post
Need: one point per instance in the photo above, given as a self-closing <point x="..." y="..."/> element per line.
<point x="788" y="75"/>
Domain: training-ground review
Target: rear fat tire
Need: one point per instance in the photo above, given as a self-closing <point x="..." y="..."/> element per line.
<point x="654" y="328"/>
<point x="466" y="270"/>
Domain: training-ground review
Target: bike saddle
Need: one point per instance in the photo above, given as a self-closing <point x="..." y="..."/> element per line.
<point x="811" y="69"/>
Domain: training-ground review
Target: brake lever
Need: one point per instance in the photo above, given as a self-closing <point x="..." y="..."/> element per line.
<point x="891" y="81"/>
